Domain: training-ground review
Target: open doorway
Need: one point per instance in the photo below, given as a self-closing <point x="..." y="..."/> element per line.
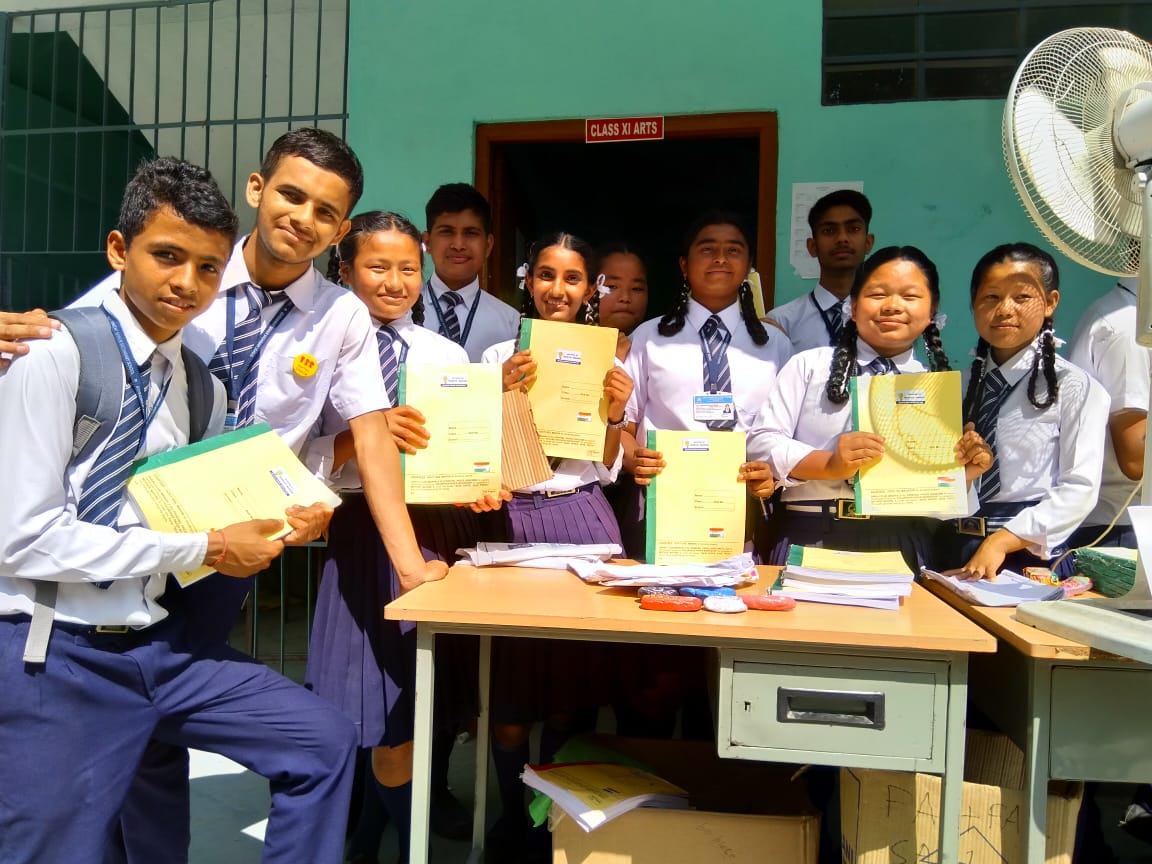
<point x="542" y="177"/>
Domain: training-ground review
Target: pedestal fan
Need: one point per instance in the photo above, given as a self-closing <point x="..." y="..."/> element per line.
<point x="1078" y="145"/>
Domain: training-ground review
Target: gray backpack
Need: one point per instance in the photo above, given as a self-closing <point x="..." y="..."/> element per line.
<point x="98" y="398"/>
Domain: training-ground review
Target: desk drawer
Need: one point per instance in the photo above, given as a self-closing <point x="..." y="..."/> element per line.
<point x="1100" y="723"/>
<point x="829" y="709"/>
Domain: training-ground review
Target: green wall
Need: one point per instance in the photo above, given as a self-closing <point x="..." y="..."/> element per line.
<point x="422" y="74"/>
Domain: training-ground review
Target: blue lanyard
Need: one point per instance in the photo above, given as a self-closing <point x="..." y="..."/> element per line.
<point x="235" y="382"/>
<point x="832" y="334"/>
<point x="713" y="364"/>
<point x="435" y="304"/>
<point x="137" y="380"/>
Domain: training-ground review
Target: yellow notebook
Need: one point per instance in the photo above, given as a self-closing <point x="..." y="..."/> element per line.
<point x="695" y="507"/>
<point x="567" y="399"/>
<point x="462" y="412"/>
<point x="247" y="474"/>
<point x="919" y="417"/>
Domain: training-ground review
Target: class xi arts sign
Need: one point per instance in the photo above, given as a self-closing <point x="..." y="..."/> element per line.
<point x="604" y="129"/>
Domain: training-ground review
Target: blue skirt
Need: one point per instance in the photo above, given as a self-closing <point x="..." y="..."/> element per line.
<point x="359" y="662"/>
<point x="535" y="678"/>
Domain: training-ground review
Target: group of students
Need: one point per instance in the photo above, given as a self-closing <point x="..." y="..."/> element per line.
<point x="136" y="669"/>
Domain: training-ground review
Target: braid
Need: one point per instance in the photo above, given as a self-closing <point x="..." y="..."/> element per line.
<point x="673" y="321"/>
<point x="748" y="313"/>
<point x="976" y="379"/>
<point x="937" y="359"/>
<point x="843" y="360"/>
<point x="418" y="308"/>
<point x="592" y="310"/>
<point x="332" y="274"/>
<point x="1044" y="357"/>
<point x="527" y="304"/>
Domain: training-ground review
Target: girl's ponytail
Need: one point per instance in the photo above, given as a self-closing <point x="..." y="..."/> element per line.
<point x="748" y="313"/>
<point x="843" y="365"/>
<point x="1044" y="359"/>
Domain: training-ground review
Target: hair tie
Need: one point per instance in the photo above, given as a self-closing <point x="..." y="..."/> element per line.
<point x="522" y="275"/>
<point x="940" y="320"/>
<point x="602" y="288"/>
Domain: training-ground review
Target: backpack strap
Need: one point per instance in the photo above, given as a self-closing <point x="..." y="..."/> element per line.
<point x="201" y="394"/>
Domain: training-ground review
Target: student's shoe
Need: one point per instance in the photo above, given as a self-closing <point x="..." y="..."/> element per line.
<point x="450" y="819"/>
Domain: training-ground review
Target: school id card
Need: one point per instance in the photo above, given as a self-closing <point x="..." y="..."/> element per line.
<point x="713" y="406"/>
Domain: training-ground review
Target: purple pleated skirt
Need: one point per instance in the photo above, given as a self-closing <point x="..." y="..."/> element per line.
<point x="535" y="678"/>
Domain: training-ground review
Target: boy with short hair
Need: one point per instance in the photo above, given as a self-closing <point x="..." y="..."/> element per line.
<point x="459" y="241"/>
<point x="840" y="242"/>
<point x="118" y="668"/>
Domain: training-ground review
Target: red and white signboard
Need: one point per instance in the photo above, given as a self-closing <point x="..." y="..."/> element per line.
<point x="603" y="129"/>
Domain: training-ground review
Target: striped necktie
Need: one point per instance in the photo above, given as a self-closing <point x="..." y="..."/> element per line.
<point x="714" y="338"/>
<point x="245" y="338"/>
<point x="386" y="339"/>
<point x="880" y="366"/>
<point x="993" y="391"/>
<point x="450" y="300"/>
<point x="834" y="321"/>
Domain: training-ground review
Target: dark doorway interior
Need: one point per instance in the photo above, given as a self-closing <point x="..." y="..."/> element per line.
<point x="644" y="193"/>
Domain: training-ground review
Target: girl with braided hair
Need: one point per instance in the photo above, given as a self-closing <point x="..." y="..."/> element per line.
<point x="805" y="431"/>
<point x="1044" y="418"/>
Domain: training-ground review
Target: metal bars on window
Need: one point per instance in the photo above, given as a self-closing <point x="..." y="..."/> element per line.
<point x="89" y="92"/>
<point x="896" y="50"/>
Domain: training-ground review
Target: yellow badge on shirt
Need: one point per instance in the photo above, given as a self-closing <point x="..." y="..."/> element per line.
<point x="305" y="365"/>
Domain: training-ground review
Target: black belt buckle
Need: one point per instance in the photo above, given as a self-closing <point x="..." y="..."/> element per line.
<point x="846" y="509"/>
<point x="112" y="629"/>
<point x="972" y="526"/>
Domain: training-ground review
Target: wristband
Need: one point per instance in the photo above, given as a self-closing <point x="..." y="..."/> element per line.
<point x="223" y="547"/>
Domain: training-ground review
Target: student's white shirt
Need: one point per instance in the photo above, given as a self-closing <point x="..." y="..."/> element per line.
<point x="424" y="347"/>
<point x="1050" y="456"/>
<point x="327" y="322"/>
<point x="40" y="536"/>
<point x="797" y="419"/>
<point x="495" y="321"/>
<point x="570" y="473"/>
<point x="1104" y="344"/>
<point x="667" y="371"/>
<point x="803" y="323"/>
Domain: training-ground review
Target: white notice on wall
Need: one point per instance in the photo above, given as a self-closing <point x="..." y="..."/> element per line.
<point x="804" y="195"/>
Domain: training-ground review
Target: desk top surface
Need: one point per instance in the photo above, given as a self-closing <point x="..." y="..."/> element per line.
<point x="556" y="600"/>
<point x="1028" y="640"/>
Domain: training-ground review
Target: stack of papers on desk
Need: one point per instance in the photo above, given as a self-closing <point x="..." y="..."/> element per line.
<point x="1009" y="589"/>
<point x="876" y="580"/>
<point x="593" y="793"/>
<point x="722" y="574"/>
<point x="547" y="556"/>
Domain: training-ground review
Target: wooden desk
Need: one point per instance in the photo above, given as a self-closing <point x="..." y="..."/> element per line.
<point x="1078" y="713"/>
<point x="917" y="658"/>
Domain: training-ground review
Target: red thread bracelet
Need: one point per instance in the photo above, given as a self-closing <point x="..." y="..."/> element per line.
<point x="223" y="549"/>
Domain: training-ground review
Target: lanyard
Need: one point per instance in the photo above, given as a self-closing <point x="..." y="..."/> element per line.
<point x="711" y="362"/>
<point x="136" y="379"/>
<point x="435" y="304"/>
<point x="832" y="332"/>
<point x="235" y="382"/>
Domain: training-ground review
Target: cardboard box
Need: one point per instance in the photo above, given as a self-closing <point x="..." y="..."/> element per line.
<point x="746" y="813"/>
<point x="889" y="817"/>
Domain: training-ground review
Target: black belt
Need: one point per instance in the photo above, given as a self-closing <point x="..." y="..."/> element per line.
<point x="80" y="629"/>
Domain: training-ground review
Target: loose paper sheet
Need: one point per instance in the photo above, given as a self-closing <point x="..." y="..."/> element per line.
<point x="804" y="195"/>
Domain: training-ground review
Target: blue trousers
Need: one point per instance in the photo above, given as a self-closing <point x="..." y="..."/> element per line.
<point x="73" y="731"/>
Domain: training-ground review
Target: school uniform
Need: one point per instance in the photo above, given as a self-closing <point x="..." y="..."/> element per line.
<point x="1046" y="474"/>
<point x="469" y="317"/>
<point x="1105" y="346"/>
<point x="87" y="714"/>
<point x="798" y="419"/>
<point x="361" y="663"/>
<point x="534" y="678"/>
<point x="812" y="320"/>
<point x="318" y="350"/>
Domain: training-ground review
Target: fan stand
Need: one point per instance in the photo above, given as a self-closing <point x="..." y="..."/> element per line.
<point x="1122" y="625"/>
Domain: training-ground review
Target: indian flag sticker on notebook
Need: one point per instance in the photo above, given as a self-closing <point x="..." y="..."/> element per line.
<point x="584" y="416"/>
<point x="716" y="533"/>
<point x="481" y="467"/>
<point x="945" y="482"/>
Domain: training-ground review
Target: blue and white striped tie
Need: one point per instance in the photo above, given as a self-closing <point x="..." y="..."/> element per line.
<point x="244" y="340"/>
<point x="386" y="338"/>
<point x="450" y="300"/>
<point x="880" y="366"/>
<point x="993" y="392"/>
<point x="715" y="338"/>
